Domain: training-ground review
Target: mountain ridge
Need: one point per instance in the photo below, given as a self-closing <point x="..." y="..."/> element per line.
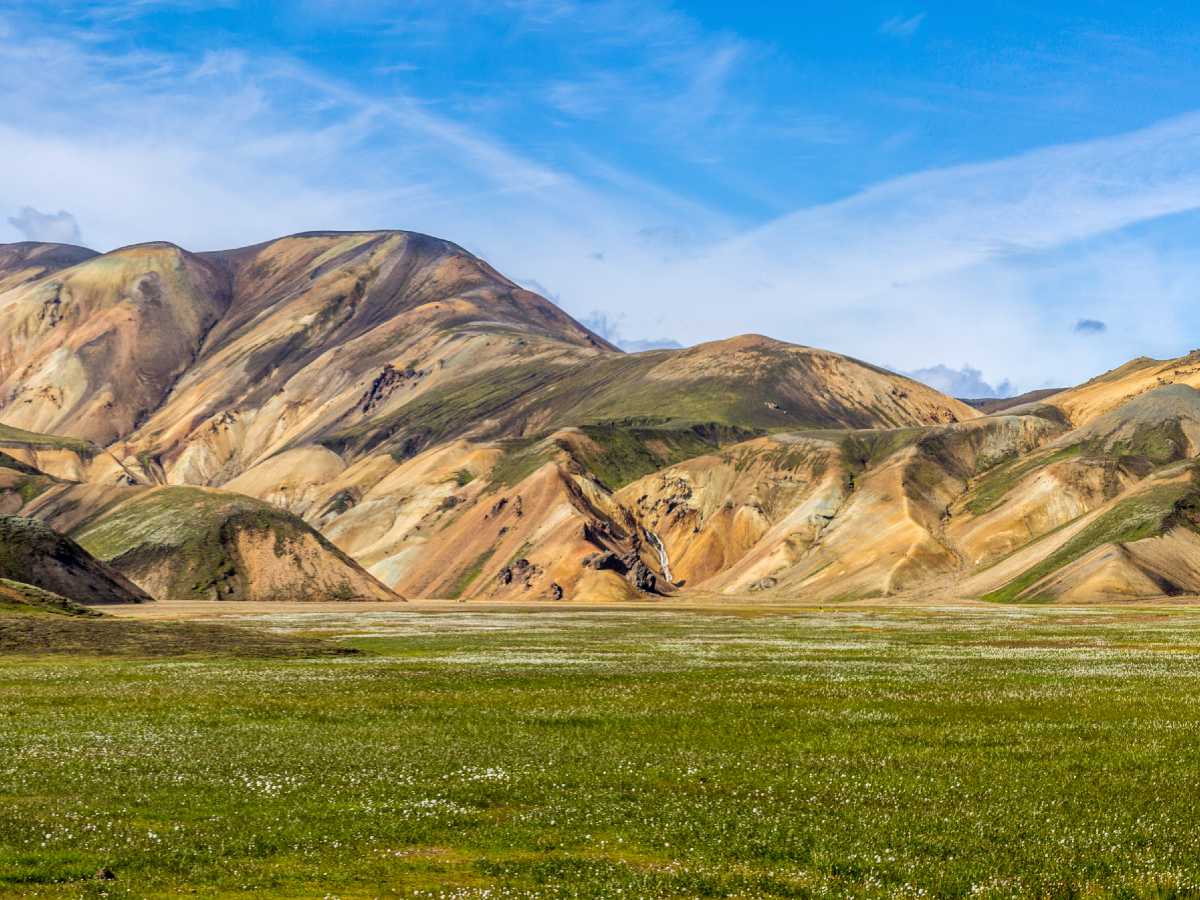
<point x="422" y="416"/>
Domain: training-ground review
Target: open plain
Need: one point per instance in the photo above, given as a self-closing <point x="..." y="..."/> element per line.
<point x="494" y="750"/>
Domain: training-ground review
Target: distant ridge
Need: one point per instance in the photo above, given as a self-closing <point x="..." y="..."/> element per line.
<point x="992" y="405"/>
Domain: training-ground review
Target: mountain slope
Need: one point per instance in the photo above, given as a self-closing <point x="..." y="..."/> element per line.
<point x="387" y="400"/>
<point x="993" y="405"/>
<point x="827" y="516"/>
<point x="750" y="382"/>
<point x="192" y="367"/>
<point x="33" y="553"/>
<point x="91" y="350"/>
<point x="183" y="543"/>
<point x="30" y="260"/>
<point x="1096" y="555"/>
<point x="96" y="349"/>
<point x="1106" y="392"/>
<point x="326" y="330"/>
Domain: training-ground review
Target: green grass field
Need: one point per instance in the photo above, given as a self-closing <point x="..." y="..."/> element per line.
<point x="576" y="753"/>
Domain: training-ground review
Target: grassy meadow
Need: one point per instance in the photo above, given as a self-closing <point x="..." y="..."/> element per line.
<point x="636" y="753"/>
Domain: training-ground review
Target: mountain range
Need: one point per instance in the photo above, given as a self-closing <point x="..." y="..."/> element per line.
<point x="375" y="415"/>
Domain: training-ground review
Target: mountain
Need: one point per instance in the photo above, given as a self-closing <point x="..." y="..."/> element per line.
<point x="192" y="367"/>
<point x="177" y="543"/>
<point x="172" y="349"/>
<point x="32" y="553"/>
<point x="1108" y="391"/>
<point x="396" y="392"/>
<point x="373" y="414"/>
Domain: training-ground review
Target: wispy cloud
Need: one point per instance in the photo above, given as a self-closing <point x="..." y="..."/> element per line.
<point x="975" y="257"/>
<point x="253" y="147"/>
<point x="902" y="26"/>
<point x="228" y="148"/>
<point x="122" y="11"/>
<point x="943" y="220"/>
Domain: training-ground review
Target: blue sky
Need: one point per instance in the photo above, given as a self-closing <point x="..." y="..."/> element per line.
<point x="1004" y="191"/>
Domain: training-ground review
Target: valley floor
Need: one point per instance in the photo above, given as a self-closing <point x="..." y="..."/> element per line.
<point x="477" y="750"/>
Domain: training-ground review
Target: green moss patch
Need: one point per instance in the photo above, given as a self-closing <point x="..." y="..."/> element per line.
<point x="80" y="635"/>
<point x="624" y="451"/>
<point x="521" y="459"/>
<point x="19" y="437"/>
<point x="990" y="489"/>
<point x="1149" y="514"/>
<point x="18" y="597"/>
<point x="443" y="413"/>
<point x="468" y="575"/>
<point x="863" y="450"/>
<point x="1159" y="444"/>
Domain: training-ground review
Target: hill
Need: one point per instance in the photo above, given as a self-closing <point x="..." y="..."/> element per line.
<point x="33" y="553"/>
<point x="1106" y="392"/>
<point x="25" y="598"/>
<point x="30" y="260"/>
<point x="186" y="543"/>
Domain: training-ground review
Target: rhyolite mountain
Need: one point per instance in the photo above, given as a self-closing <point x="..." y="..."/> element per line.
<point x="373" y="414"/>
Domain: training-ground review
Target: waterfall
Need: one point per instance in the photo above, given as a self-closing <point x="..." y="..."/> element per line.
<point x="663" y="560"/>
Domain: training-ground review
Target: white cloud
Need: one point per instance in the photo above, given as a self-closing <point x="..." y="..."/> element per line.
<point x="966" y="382"/>
<point x="54" y="228"/>
<point x="225" y="151"/>
<point x="125" y="10"/>
<point x="609" y="328"/>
